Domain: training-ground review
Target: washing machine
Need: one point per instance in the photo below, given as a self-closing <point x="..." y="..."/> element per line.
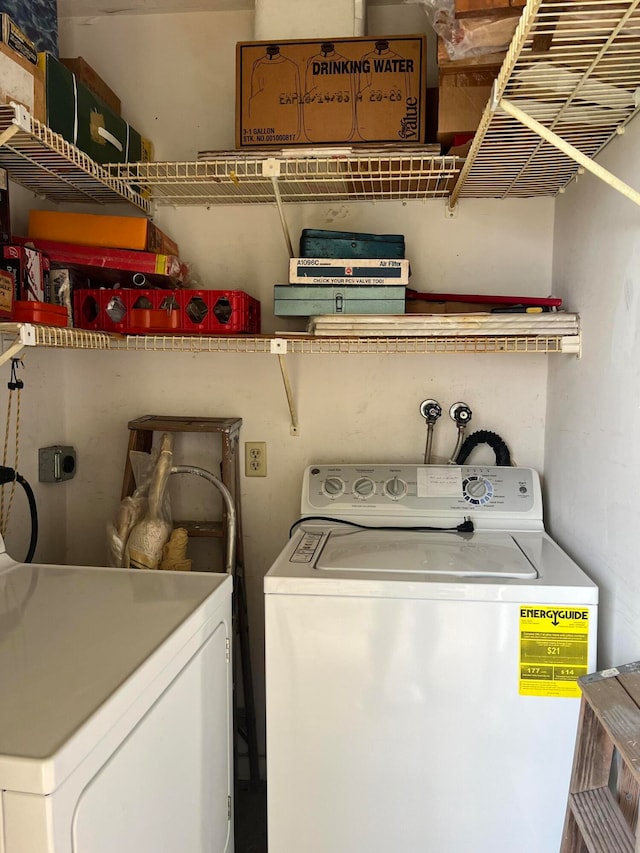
<point x="421" y="687"/>
<point x="115" y="710"/>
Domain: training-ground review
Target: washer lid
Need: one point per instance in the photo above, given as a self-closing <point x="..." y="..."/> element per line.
<point x="73" y="640"/>
<point x="465" y="555"/>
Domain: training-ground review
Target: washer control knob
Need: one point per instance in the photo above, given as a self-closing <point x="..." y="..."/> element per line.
<point x="333" y="487"/>
<point x="364" y="488"/>
<point x="477" y="490"/>
<point x="395" y="488"/>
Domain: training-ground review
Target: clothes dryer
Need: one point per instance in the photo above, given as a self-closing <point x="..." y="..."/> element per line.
<point x="115" y="710"/>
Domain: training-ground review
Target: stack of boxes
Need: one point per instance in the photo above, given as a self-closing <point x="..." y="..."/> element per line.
<point x="125" y="276"/>
<point x="344" y="273"/>
<point x="468" y="65"/>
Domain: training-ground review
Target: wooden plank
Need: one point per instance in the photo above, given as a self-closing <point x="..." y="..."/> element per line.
<point x="571" y="839"/>
<point x="600" y="822"/>
<point x="93" y="81"/>
<point x="169" y="423"/>
<point x="618" y="713"/>
<point x="593" y="753"/>
<point x="627" y="791"/>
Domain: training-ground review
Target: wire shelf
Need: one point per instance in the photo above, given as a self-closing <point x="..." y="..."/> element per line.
<point x="52" y="336"/>
<point x="246" y="180"/>
<point x="575" y="68"/>
<point x="42" y="161"/>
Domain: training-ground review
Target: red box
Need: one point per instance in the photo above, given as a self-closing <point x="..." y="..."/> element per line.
<point x="39" y="312"/>
<point x="101" y="259"/>
<point x="158" y="312"/>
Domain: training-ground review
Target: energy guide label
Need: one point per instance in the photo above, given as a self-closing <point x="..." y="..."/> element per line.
<point x="554" y="648"/>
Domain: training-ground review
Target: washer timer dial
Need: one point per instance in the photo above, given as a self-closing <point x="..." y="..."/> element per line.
<point x="333" y="487"/>
<point x="364" y="488"/>
<point x="395" y="488"/>
<point x="477" y="490"/>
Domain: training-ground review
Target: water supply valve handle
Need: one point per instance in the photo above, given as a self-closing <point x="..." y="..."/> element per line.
<point x="461" y="414"/>
<point x="430" y="410"/>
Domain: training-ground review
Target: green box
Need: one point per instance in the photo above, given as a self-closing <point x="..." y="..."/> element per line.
<point x="85" y="120"/>
<point x="292" y="300"/>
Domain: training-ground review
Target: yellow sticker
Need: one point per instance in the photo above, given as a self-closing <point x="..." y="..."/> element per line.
<point x="554" y="649"/>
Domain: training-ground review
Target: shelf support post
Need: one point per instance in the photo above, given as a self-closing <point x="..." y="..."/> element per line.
<point x="271" y="169"/>
<point x="279" y="348"/>
<point x="564" y="146"/>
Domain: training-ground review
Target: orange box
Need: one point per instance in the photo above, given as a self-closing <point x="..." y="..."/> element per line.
<point x="112" y="232"/>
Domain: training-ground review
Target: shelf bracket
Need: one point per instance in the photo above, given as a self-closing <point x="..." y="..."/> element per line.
<point x="279" y="348"/>
<point x="26" y="337"/>
<point x="564" y="146"/>
<point x="271" y="169"/>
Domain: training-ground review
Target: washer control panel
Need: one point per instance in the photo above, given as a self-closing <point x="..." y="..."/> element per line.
<point x="421" y="491"/>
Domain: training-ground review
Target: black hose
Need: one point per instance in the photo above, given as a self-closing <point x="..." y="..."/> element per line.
<point x="8" y="475"/>
<point x="484" y="436"/>
<point x="33" y="511"/>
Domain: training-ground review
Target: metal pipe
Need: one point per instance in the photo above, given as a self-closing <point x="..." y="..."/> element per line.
<point x="283" y="219"/>
<point x="228" y="499"/>
<point x="427" y="449"/>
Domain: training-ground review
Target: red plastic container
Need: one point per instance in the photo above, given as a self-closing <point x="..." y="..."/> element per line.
<point x="162" y="312"/>
<point x="39" y="312"/>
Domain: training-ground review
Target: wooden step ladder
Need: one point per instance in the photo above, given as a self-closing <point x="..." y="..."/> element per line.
<point x="602" y="809"/>
<point x="141" y="432"/>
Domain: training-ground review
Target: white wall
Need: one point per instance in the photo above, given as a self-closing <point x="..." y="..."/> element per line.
<point x="175" y="76"/>
<point x="39" y="411"/>
<point x="593" y="419"/>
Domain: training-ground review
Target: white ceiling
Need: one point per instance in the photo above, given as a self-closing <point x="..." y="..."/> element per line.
<point x="91" y="8"/>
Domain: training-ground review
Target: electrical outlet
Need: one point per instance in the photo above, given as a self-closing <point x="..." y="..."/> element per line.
<point x="255" y="459"/>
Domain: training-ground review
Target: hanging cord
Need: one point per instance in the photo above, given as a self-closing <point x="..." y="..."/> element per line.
<point x="465" y="526"/>
<point x="14" y="384"/>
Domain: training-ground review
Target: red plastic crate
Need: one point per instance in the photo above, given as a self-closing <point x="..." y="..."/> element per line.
<point x="162" y="312"/>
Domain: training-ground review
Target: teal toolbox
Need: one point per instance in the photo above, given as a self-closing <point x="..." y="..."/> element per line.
<point x="315" y="243"/>
<point x="292" y="300"/>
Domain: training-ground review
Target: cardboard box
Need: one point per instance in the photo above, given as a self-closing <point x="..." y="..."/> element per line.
<point x="93" y="81"/>
<point x="460" y="110"/>
<point x="21" y="81"/>
<point x="26" y="269"/>
<point x="462" y="99"/>
<point x="344" y="90"/>
<point x="6" y="294"/>
<point x="83" y="119"/>
<point x="5" y="208"/>
<point x="472" y="8"/>
<point x="88" y="229"/>
<point x="348" y="271"/>
<point x="13" y="37"/>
